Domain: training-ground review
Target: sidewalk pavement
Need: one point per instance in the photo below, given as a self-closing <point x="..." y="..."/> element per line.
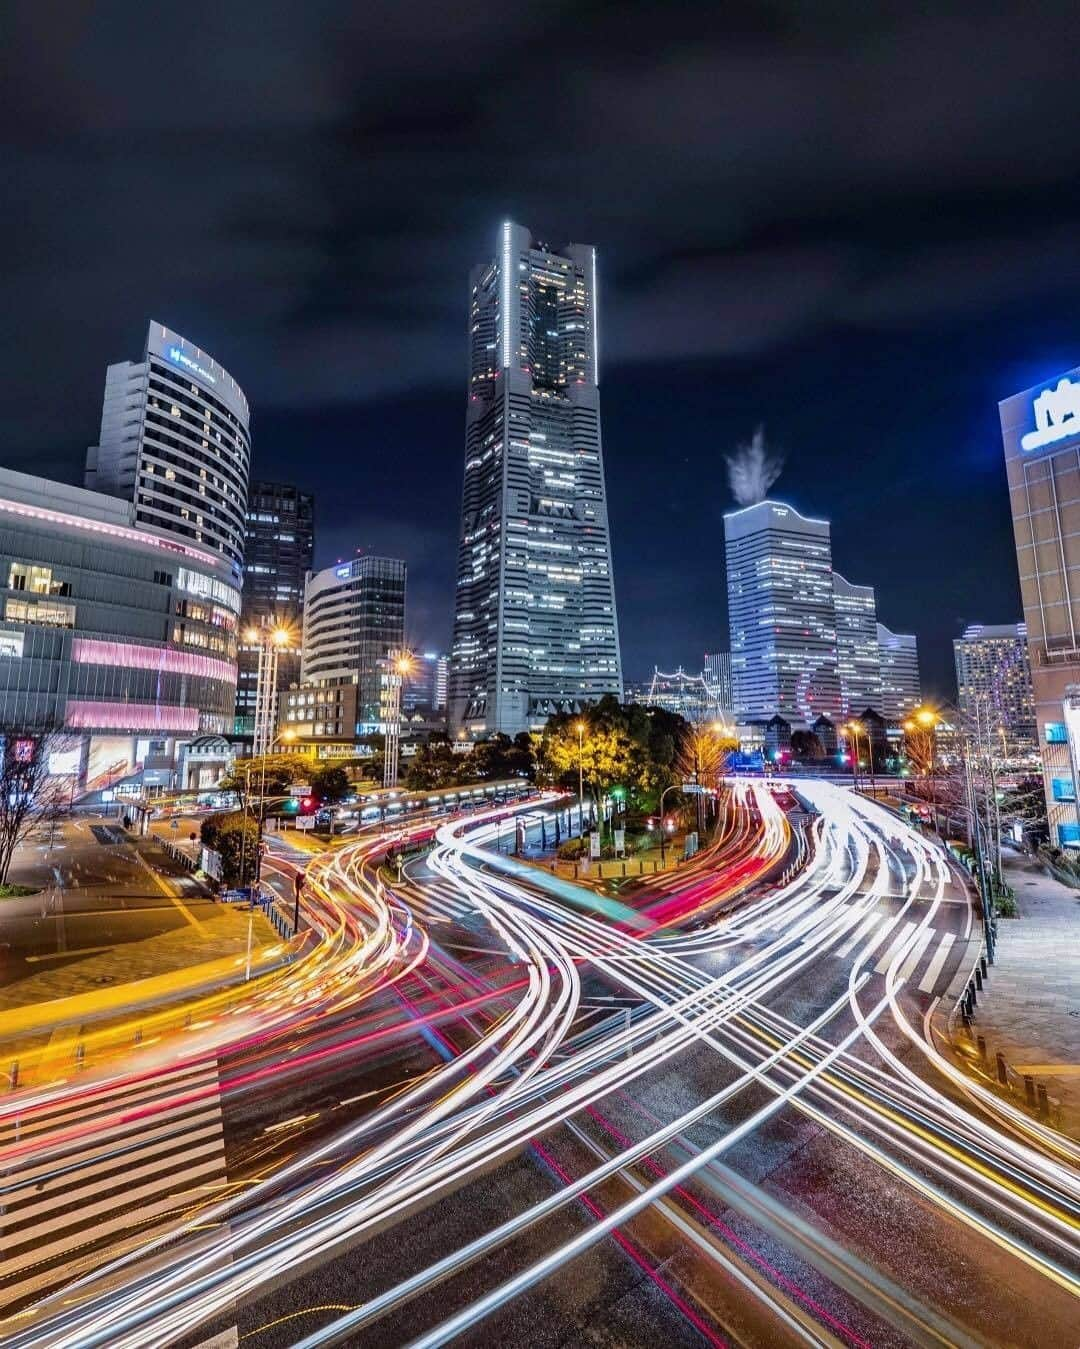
<point x="1029" y="1008"/>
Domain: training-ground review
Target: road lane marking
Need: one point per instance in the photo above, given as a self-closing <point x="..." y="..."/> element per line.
<point x="59" y="955"/>
<point x="930" y="978"/>
<point x="879" y="937"/>
<point x="907" y="969"/>
<point x="1050" y="1069"/>
<point x="860" y="932"/>
<point x="887" y="959"/>
<point x="188" y="915"/>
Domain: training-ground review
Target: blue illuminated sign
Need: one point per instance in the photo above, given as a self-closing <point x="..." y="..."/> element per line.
<point x="343" y="571"/>
<point x="1057" y="416"/>
<point x="179" y="357"/>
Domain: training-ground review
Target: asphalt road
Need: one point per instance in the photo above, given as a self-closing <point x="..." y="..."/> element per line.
<point x="95" y="892"/>
<point x="795" y="1194"/>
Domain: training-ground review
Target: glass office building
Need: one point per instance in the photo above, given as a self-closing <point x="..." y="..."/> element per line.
<point x="354" y="616"/>
<point x="781" y="615"/>
<point x="278" y="554"/>
<point x="857" y="654"/>
<point x="535" y="626"/>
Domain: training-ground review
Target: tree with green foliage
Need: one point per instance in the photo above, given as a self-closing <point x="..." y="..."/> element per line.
<point x="234" y="835"/>
<point x="330" y="784"/>
<point x="282" y="770"/>
<point x="434" y="766"/>
<point x="621" y="745"/>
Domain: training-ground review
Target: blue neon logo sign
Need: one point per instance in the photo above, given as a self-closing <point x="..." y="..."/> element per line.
<point x="179" y="357"/>
<point x="343" y="571"/>
<point x="1057" y="416"/>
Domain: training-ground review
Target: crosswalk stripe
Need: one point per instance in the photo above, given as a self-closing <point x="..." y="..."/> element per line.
<point x="907" y="969"/>
<point x="78" y="1237"/>
<point x="887" y="959"/>
<point x="933" y="970"/>
<point x="210" y="1140"/>
<point x="67" y="1148"/>
<point x="863" y="930"/>
<point x="879" y="936"/>
<point x="121" y="1140"/>
<point x="105" y="1194"/>
<point x="118" y="1101"/>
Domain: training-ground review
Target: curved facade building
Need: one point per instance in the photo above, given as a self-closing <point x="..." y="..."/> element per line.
<point x="175" y="442"/>
<point x="123" y="637"/>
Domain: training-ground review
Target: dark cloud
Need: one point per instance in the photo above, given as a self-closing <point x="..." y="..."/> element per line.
<point x="302" y="189"/>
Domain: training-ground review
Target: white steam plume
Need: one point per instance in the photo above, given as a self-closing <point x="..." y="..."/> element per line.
<point x="753" y="469"/>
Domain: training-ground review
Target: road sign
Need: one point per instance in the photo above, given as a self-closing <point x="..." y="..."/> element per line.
<point x="594" y="845"/>
<point x="620" y="842"/>
<point x="305" y="822"/>
<point x="300" y="789"/>
<point x="692" y="789"/>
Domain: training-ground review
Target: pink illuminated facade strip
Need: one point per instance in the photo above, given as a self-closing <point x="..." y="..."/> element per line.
<point x="130" y="656"/>
<point x="115" y="531"/>
<point x="130" y="717"/>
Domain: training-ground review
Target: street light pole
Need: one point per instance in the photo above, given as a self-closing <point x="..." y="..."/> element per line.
<point x="663" y="835"/>
<point x="270" y="640"/>
<point x="581" y="777"/>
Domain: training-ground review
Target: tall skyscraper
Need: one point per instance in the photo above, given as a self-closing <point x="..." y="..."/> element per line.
<point x="426" y="683"/>
<point x="174" y="441"/>
<point x="857" y="652"/>
<point x="901" y="685"/>
<point x="993" y="683"/>
<point x="278" y="553"/>
<point x="354" y="616"/>
<point x="717" y="675"/>
<point x="1040" y="429"/>
<point x="781" y="614"/>
<point x="535" y="627"/>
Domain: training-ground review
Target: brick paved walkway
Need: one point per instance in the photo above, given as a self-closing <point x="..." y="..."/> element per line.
<point x="1029" y="1010"/>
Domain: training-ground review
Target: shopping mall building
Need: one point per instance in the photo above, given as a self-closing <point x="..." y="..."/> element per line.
<point x="120" y="604"/>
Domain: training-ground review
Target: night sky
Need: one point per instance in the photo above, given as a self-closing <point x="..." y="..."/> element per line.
<point x="856" y="224"/>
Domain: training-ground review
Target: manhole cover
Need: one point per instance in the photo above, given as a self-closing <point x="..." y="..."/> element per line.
<point x="103" y="979"/>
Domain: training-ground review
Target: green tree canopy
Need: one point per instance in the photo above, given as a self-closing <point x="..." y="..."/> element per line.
<point x="235" y="836"/>
<point x="282" y="770"/>
<point x="330" y="784"/>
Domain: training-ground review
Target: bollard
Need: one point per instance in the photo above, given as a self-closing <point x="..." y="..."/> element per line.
<point x="978" y="977"/>
<point x="13" y="1075"/>
<point x="1029" y="1090"/>
<point x="1002" y="1071"/>
<point x="984" y="966"/>
<point x="80" y="1054"/>
<point x="971" y="995"/>
<point x="1044" y="1104"/>
<point x="982" y="1048"/>
<point x="138" y="1036"/>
